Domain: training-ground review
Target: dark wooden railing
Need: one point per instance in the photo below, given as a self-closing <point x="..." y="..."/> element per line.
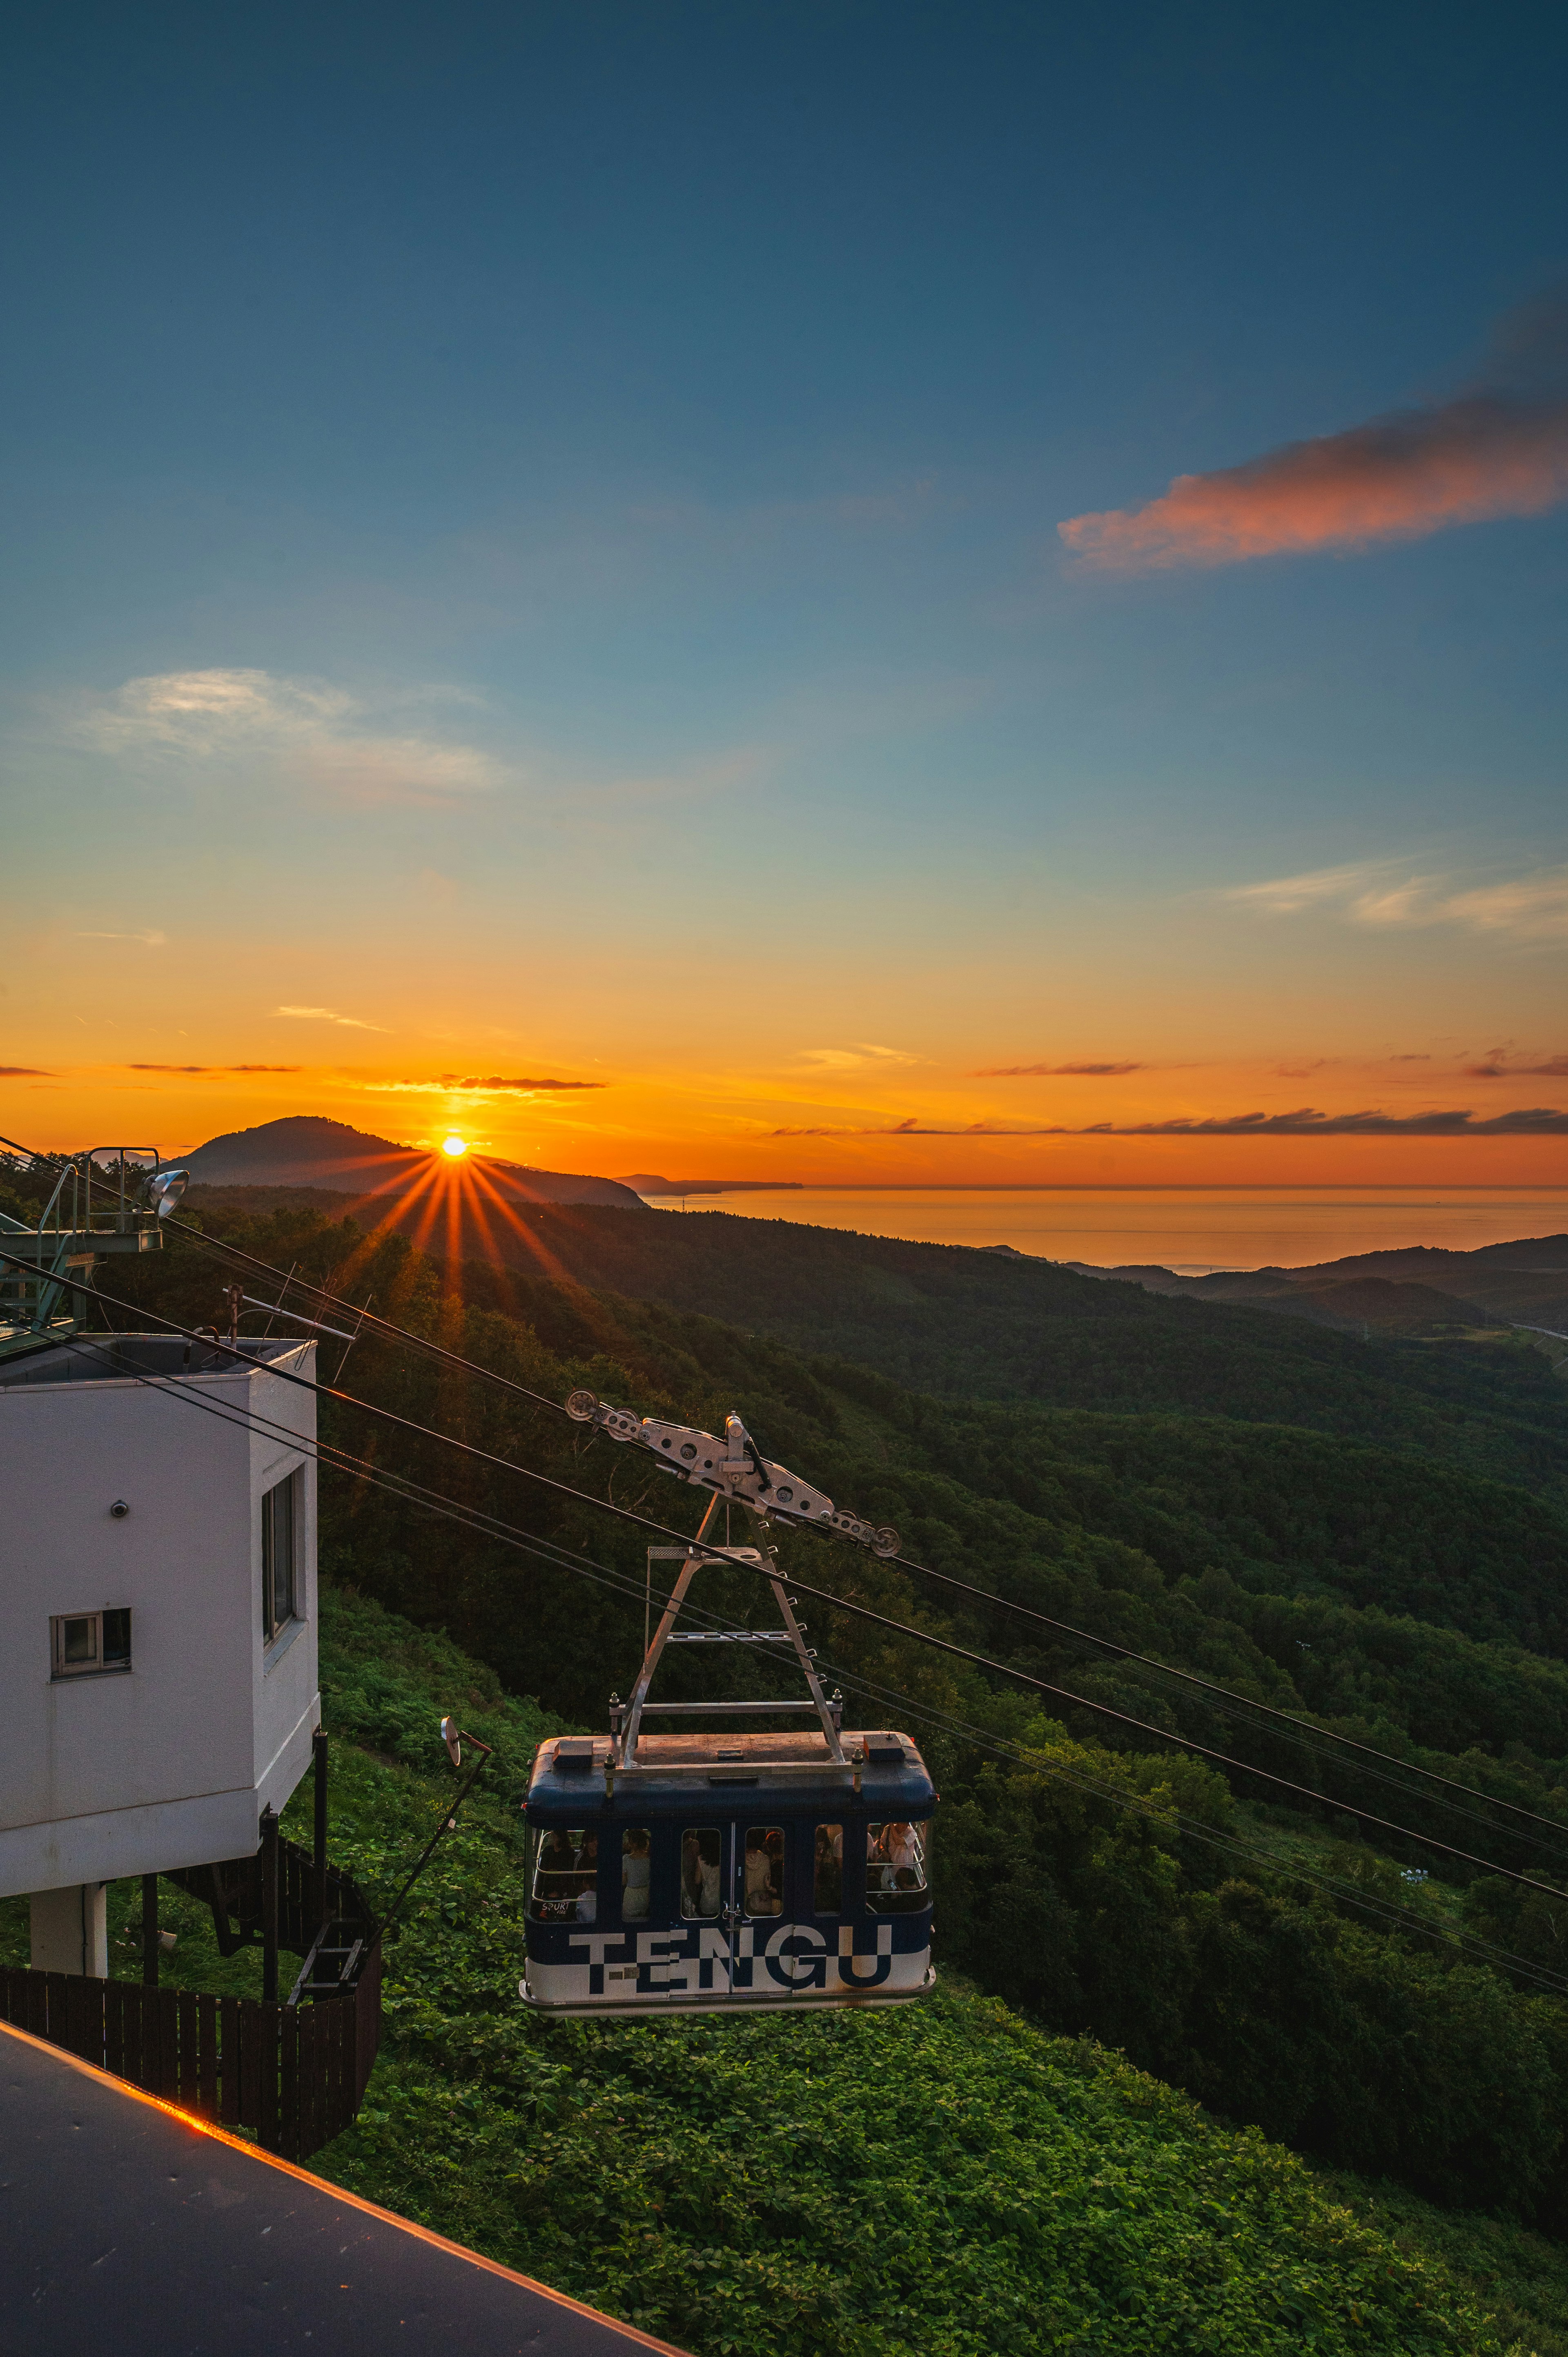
<point x="293" y="2076"/>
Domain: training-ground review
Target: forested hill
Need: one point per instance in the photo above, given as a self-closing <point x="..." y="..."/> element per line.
<point x="1085" y="1871"/>
<point x="964" y="1324"/>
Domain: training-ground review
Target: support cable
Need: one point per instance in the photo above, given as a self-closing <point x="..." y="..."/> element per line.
<point x="432" y="1502"/>
<point x="1224" y="1698"/>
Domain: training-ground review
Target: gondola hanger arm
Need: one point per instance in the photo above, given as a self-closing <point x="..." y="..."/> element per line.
<point x="731" y="1468"/>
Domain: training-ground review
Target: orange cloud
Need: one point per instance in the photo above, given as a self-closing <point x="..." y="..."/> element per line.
<point x="1497" y="1067"/>
<point x="1054" y="1072"/>
<point x="477" y="1084"/>
<point x="1528" y="1120"/>
<point x="498" y="1081"/>
<point x="1397" y="478"/>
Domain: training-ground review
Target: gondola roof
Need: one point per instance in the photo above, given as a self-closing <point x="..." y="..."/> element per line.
<point x="885" y="1776"/>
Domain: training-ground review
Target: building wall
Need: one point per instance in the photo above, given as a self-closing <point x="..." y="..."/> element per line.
<point x="168" y="1763"/>
<point x="288" y="1702"/>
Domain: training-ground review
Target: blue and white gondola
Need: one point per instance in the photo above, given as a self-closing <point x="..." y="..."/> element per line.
<point x="726" y="1874"/>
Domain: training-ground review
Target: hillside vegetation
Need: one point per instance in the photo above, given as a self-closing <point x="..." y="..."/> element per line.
<point x="1212" y="1926"/>
<point x="946" y="2178"/>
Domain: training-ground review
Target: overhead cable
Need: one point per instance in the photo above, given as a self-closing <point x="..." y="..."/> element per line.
<point x="432" y="1502"/>
<point x="1225" y="1699"/>
<point x="838" y="1603"/>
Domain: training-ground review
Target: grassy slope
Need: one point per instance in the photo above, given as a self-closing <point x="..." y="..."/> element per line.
<point x="943" y="2180"/>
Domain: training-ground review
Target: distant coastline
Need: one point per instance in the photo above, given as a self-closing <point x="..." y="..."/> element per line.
<point x="647" y="1182"/>
<point x="1188" y="1230"/>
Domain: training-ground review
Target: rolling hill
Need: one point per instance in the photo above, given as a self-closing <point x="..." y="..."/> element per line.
<point x="308" y="1151"/>
<point x="1419" y="1289"/>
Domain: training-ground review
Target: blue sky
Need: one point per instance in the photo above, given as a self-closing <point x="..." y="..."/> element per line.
<point x="619" y="451"/>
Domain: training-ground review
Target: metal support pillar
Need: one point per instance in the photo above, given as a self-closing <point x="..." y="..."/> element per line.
<point x="318" y="1771"/>
<point x="270" y="1905"/>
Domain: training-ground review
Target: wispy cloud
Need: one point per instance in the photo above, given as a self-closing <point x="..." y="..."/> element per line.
<point x="1054" y="1072"/>
<point x="1529" y="908"/>
<point x="1493" y="451"/>
<point x="1500" y="1066"/>
<point x="24" y="1072"/>
<point x="319" y="735"/>
<point x="1534" y="907"/>
<point x="477" y="1084"/>
<point x="226" y="1069"/>
<point x="149" y="940"/>
<point x="328" y="1014"/>
<point x="853" y="1058"/>
<point x="1533" y="1121"/>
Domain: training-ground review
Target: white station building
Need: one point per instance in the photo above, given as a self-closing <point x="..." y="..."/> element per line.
<point x="158" y="1616"/>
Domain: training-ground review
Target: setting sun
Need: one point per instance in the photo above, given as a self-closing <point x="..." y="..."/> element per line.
<point x="454" y="1146"/>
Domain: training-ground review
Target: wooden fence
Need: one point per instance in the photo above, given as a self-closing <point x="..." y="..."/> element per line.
<point x="293" y="2075"/>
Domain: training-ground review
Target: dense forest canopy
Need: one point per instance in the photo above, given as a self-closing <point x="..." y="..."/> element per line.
<point x="964" y="1324"/>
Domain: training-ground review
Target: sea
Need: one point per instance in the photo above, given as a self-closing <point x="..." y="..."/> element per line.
<point x="1190" y="1229"/>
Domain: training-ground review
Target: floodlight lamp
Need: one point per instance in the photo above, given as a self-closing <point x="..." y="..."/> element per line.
<point x="166" y="1187"/>
<point x="452" y="1737"/>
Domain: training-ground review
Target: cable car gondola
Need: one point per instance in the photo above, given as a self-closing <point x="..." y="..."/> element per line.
<point x="687" y="1873"/>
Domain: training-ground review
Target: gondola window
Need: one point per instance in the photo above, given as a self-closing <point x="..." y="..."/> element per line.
<point x="765" y="1870"/>
<point x="564" y="1877"/>
<point x="895" y="1869"/>
<point x="702" y="1872"/>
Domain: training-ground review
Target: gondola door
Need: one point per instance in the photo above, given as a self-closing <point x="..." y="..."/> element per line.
<point x="758" y="1901"/>
<point x="731" y="1915"/>
<point x="711" y="1906"/>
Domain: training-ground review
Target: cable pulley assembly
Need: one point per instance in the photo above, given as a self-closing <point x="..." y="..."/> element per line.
<point x="732" y="1468"/>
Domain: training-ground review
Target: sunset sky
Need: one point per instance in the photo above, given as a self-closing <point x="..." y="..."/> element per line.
<point x="862" y="593"/>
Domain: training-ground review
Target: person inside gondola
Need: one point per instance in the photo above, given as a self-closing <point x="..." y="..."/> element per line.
<point x="634" y="1874"/>
<point x="763" y="1897"/>
<point x="827" y="1876"/>
<point x="899" y="1849"/>
<point x="555" y="1881"/>
<point x="701" y="1852"/>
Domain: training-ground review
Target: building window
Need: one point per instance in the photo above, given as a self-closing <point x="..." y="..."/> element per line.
<point x="280" y="1602"/>
<point x="83" y="1644"/>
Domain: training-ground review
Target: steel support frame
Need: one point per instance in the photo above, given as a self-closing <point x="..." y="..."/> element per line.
<point x="623" y="1747"/>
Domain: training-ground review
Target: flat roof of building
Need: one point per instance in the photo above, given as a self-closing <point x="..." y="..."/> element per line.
<point x="130" y="1358"/>
<point x="126" y="2226"/>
